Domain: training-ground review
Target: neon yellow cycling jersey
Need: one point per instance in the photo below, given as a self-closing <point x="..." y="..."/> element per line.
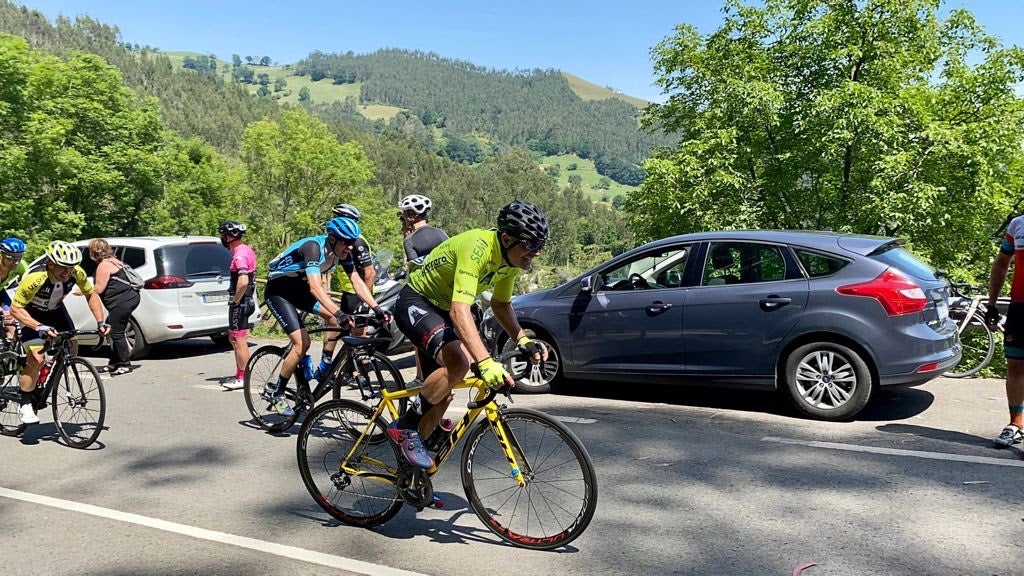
<point x="37" y="292"/>
<point x="462" y="267"/>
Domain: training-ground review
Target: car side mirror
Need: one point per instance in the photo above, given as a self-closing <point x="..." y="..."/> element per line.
<point x="590" y="284"/>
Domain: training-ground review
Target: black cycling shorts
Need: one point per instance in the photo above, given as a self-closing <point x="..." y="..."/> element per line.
<point x="238" y="314"/>
<point x="428" y="327"/>
<point x="285" y="296"/>
<point x="58" y="319"/>
<point x="1013" y="331"/>
<point x="352" y="304"/>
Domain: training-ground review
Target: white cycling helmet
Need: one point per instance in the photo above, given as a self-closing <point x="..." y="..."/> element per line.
<point x="418" y="205"/>
<point x="63" y="254"/>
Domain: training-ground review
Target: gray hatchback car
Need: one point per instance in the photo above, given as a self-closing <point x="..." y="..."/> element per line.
<point x="827" y="317"/>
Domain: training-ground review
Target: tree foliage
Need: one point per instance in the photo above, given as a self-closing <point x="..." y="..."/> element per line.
<point x="871" y="116"/>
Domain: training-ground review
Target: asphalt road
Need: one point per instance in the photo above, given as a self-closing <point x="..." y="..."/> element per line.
<point x="691" y="482"/>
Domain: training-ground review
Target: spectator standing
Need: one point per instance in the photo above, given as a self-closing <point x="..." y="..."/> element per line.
<point x="119" y="298"/>
<point x="241" y="297"/>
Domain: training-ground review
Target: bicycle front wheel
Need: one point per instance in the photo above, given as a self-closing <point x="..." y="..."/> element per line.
<point x="262" y="371"/>
<point x="978" y="347"/>
<point x="359" y="491"/>
<point x="79" y="403"/>
<point x="560" y="495"/>
<point x="10" y="394"/>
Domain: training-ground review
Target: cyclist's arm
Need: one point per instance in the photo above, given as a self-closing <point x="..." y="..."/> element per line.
<point x="362" y="290"/>
<point x="93" y="299"/>
<point x="23" y="317"/>
<point x="465" y="326"/>
<point x="319" y="291"/>
<point x="999" y="268"/>
<point x="506" y="317"/>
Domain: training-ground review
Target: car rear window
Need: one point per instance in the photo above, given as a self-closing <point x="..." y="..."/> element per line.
<point x="818" y="265"/>
<point x="193" y="260"/>
<point x="905" y="262"/>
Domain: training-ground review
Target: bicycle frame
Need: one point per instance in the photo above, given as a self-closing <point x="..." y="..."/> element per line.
<point x="490" y="410"/>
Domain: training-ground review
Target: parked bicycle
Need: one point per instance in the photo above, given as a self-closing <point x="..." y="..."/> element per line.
<point x="976" y="336"/>
<point x="526" y="475"/>
<point x="72" y="384"/>
<point x="358" y="372"/>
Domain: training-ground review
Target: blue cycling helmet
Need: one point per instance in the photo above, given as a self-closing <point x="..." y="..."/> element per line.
<point x="345" y="228"/>
<point x="12" y="245"/>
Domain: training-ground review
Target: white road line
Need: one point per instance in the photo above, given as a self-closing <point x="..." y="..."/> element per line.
<point x="898" y="452"/>
<point x="302" y="554"/>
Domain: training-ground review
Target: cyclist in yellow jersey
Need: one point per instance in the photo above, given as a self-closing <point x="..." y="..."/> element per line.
<point x="39" y="307"/>
<point x="433" y="311"/>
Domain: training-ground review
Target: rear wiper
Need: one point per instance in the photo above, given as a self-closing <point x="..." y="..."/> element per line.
<point x="205" y="274"/>
<point x="882" y="249"/>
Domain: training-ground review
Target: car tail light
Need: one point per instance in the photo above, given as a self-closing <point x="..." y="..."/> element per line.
<point x="895" y="292"/>
<point x="929" y="367"/>
<point x="161" y="282"/>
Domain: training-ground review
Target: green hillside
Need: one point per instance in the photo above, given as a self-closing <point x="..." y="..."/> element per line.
<point x="587" y="91"/>
<point x="588" y="176"/>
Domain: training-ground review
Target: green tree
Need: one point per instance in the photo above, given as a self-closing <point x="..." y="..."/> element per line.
<point x="297" y="170"/>
<point x="873" y="116"/>
<point x="79" y="152"/>
<point x="280" y="84"/>
<point x="304" y="94"/>
<point x="236" y="60"/>
<point x="263" y="79"/>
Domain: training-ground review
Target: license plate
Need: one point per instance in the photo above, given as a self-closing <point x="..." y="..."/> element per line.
<point x="215" y="297"/>
<point x="943" y="309"/>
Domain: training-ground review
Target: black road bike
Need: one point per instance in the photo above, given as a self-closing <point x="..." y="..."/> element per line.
<point x="73" y="388"/>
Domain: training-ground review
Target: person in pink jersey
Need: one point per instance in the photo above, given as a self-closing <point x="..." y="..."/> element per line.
<point x="241" y="293"/>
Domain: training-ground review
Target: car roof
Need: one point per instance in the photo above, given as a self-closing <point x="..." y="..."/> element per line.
<point x="820" y="239"/>
<point x="155" y="241"/>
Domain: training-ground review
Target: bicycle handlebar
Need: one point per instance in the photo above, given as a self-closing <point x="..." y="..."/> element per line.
<point x="518" y="352"/>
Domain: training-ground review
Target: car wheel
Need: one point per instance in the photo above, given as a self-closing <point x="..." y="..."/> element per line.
<point x="136" y="341"/>
<point x="220" y="340"/>
<point x="828" y="381"/>
<point x="540" y="378"/>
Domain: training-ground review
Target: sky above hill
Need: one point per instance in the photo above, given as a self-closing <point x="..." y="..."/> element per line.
<point x="605" y="43"/>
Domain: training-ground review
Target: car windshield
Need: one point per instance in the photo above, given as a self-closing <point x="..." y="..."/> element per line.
<point x="904" y="261"/>
<point x="194" y="260"/>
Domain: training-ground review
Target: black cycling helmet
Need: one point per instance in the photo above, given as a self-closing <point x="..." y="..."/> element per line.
<point x="232" y="228"/>
<point x="347" y="211"/>
<point x="524" y="222"/>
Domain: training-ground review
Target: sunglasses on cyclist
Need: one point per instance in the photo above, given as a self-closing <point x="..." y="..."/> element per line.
<point x="13" y="258"/>
<point x="533" y="245"/>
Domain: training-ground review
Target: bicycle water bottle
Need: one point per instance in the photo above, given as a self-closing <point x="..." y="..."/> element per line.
<point x="44" y="370"/>
<point x="307" y="367"/>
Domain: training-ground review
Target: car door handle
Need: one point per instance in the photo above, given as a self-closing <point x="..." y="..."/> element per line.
<point x="773" y="303"/>
<point x="657" y="307"/>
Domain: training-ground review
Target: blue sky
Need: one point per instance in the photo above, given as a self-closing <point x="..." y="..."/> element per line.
<point x="603" y="42"/>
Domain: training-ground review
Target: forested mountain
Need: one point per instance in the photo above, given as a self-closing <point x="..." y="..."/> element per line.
<point x="535" y="108"/>
<point x="102" y="137"/>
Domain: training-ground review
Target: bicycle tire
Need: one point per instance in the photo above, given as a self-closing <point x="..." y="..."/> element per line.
<point x="329" y="433"/>
<point x="382" y="374"/>
<point x="978" y="347"/>
<point x="263" y="368"/>
<point x="561" y="479"/>
<point x="78" y="402"/>
<point x="10" y="394"/>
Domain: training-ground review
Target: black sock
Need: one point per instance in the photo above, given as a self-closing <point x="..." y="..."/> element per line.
<point x="26" y="398"/>
<point x="411" y="419"/>
<point x="281" y="382"/>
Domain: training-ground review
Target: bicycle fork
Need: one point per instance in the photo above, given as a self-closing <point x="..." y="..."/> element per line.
<point x="520" y="466"/>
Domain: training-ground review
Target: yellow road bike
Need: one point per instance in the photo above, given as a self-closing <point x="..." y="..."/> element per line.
<point x="526" y="475"/>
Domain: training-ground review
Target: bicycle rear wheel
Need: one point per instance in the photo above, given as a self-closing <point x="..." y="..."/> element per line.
<point x="263" y="369"/>
<point x="79" y="403"/>
<point x="10" y="394"/>
<point x="380" y="373"/>
<point x="560" y="496"/>
<point x="363" y="492"/>
<point x="978" y="346"/>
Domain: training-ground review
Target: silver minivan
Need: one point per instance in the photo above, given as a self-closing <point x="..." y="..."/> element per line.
<point x="185" y="294"/>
